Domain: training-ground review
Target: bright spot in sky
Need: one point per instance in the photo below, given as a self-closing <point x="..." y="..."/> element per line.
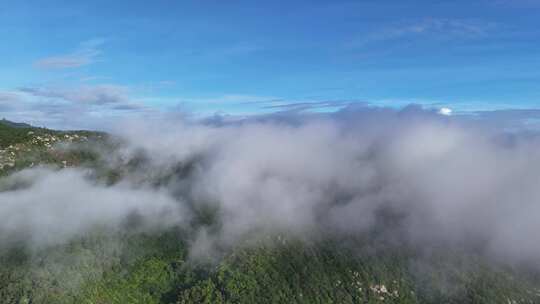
<point x="445" y="111"/>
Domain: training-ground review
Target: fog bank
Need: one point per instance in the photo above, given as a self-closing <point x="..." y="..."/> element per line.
<point x="442" y="180"/>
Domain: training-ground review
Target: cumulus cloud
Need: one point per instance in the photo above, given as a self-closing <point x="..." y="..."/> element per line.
<point x="413" y="175"/>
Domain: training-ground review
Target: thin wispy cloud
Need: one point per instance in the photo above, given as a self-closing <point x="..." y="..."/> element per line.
<point x="70" y="107"/>
<point x="430" y="27"/>
<point x="8" y="97"/>
<point x="221" y="52"/>
<point x="87" y="53"/>
<point x="90" y="95"/>
<point x="230" y="99"/>
<point x="516" y="3"/>
<point x="310" y="105"/>
<point x="93" y="78"/>
<point x="231" y="104"/>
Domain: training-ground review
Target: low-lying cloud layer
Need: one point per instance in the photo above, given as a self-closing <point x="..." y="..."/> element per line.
<point x="441" y="180"/>
<point x="50" y="207"/>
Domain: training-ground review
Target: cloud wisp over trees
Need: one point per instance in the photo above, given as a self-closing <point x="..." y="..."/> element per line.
<point x="414" y="176"/>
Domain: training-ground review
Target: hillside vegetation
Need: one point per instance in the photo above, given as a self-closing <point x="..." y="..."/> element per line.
<point x="23" y="146"/>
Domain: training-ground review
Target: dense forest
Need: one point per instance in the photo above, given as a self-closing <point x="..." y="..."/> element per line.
<point x="143" y="268"/>
<point x="131" y="265"/>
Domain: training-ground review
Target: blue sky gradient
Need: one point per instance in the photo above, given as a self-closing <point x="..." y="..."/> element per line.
<point x="243" y="57"/>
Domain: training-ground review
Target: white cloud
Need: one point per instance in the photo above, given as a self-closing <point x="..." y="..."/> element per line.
<point x="445" y="111"/>
<point x="337" y="173"/>
<point x="50" y="212"/>
<point x="445" y="181"/>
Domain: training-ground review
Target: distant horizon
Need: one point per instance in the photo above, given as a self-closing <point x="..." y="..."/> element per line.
<point x="513" y="120"/>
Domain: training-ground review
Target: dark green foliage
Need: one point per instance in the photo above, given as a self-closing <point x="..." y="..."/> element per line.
<point x="24" y="147"/>
<point x="10" y="135"/>
<point x="99" y="268"/>
<point x="329" y="273"/>
<point x="12" y="124"/>
<point x="151" y="268"/>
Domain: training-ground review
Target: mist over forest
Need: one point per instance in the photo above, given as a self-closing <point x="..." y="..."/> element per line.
<point x="373" y="180"/>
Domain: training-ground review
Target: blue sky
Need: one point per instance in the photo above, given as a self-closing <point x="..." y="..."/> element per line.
<point x="242" y="57"/>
